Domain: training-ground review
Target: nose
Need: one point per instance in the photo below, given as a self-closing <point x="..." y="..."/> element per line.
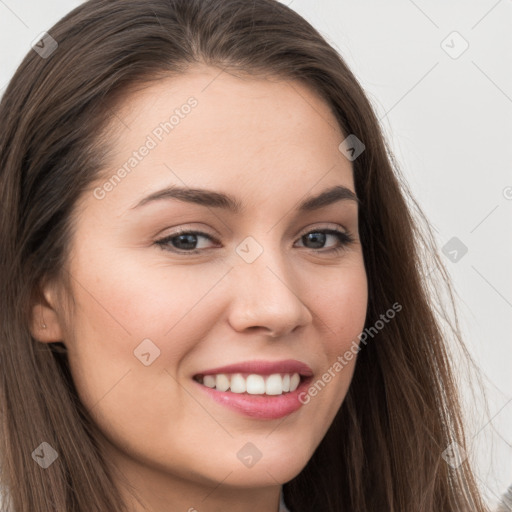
<point x="265" y="297"/>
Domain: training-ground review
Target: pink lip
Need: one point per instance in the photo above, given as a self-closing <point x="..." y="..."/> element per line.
<point x="261" y="406"/>
<point x="263" y="368"/>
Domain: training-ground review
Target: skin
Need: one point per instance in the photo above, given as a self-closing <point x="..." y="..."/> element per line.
<point x="271" y="144"/>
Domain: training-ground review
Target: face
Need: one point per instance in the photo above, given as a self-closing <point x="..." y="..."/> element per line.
<point x="170" y="287"/>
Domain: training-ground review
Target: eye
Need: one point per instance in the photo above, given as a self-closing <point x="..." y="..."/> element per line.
<point x="185" y="242"/>
<point x="319" y="237"/>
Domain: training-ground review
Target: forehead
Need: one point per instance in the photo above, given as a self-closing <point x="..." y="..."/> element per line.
<point x="244" y="134"/>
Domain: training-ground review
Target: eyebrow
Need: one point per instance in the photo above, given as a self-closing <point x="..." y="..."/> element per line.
<point x="214" y="199"/>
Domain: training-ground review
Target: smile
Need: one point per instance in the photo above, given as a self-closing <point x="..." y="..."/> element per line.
<point x="252" y="384"/>
<point x="262" y="390"/>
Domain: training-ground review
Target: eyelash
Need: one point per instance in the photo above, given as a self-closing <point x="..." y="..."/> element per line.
<point x="344" y="237"/>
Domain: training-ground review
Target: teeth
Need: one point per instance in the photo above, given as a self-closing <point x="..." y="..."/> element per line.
<point x="222" y="382"/>
<point x="209" y="380"/>
<point x="253" y="384"/>
<point x="294" y="382"/>
<point x="274" y="385"/>
<point x="286" y="383"/>
<point x="238" y="384"/>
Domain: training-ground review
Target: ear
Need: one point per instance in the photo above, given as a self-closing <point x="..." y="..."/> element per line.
<point x="45" y="321"/>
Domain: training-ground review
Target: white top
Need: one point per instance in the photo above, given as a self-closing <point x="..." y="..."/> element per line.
<point x="282" y="506"/>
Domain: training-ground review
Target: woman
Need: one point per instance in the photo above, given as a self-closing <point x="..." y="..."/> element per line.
<point x="212" y="293"/>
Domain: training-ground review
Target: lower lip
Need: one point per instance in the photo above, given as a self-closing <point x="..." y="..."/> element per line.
<point x="267" y="407"/>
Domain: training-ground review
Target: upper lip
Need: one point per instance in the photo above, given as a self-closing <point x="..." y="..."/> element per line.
<point x="263" y="368"/>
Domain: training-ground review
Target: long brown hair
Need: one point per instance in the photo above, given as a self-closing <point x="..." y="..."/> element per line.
<point x="383" y="452"/>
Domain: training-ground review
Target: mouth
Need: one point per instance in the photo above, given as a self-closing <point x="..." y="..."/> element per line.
<point x="262" y="390"/>
<point x="252" y="383"/>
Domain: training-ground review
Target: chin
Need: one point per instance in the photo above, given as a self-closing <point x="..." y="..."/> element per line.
<point x="273" y="468"/>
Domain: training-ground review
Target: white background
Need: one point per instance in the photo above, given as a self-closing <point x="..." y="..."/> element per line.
<point x="449" y="122"/>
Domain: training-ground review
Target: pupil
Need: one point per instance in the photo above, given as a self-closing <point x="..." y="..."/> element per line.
<point x="317" y="238"/>
<point x="192" y="240"/>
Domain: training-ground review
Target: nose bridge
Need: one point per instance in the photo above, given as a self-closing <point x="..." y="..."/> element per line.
<point x="266" y="294"/>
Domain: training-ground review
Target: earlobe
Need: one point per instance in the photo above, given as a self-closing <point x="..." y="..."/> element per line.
<point x="45" y="323"/>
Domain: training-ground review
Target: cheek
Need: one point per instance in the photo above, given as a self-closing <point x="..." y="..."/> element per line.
<point x="341" y="312"/>
<point x="157" y="297"/>
<point x="341" y="308"/>
<point x="127" y="309"/>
